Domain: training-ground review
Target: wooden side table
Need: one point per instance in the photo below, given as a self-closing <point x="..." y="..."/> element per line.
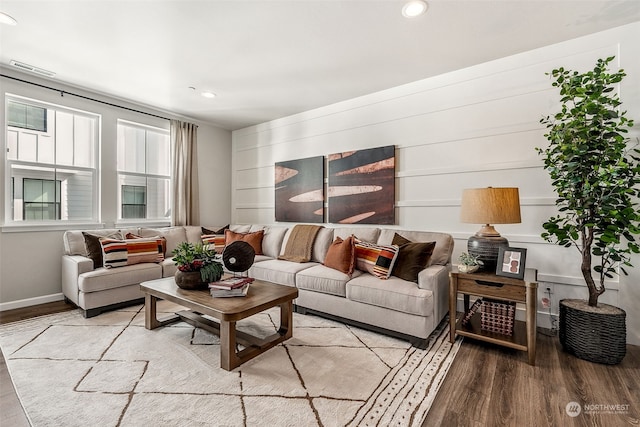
<point x="489" y="285"/>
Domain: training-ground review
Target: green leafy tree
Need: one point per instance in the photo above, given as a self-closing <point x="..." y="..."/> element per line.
<point x="594" y="172"/>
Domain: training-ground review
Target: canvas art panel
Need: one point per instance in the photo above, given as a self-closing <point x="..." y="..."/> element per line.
<point x="299" y="190"/>
<point x="361" y="186"/>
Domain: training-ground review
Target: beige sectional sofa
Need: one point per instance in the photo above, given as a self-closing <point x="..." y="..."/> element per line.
<point x="395" y="306"/>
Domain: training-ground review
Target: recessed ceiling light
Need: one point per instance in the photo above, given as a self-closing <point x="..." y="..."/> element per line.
<point x="414" y="8"/>
<point x="6" y="19"/>
<point x="208" y="94"/>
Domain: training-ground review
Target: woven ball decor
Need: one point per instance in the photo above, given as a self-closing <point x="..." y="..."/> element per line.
<point x="238" y="256"/>
<point x="593" y="336"/>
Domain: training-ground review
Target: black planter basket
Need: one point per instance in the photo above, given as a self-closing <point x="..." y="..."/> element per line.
<point x="593" y="336"/>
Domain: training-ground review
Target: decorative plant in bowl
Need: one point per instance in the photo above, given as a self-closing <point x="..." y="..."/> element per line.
<point x="197" y="266"/>
<point x="468" y="263"/>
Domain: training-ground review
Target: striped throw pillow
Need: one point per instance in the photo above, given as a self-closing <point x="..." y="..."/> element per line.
<point x="119" y="253"/>
<point x="214" y="242"/>
<point x="377" y="260"/>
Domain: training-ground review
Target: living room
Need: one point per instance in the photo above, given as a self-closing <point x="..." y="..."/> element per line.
<point x="476" y="126"/>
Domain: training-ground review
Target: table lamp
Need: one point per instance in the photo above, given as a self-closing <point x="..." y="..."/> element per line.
<point x="491" y="205"/>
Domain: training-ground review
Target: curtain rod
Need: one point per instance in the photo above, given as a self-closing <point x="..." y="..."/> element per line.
<point x="64" y="92"/>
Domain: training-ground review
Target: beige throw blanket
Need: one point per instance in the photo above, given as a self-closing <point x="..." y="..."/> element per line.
<point x="300" y="243"/>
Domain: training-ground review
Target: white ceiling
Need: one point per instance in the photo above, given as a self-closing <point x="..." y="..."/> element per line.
<point x="268" y="59"/>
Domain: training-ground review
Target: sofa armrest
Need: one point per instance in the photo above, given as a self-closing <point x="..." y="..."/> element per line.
<point x="72" y="267"/>
<point x="436" y="279"/>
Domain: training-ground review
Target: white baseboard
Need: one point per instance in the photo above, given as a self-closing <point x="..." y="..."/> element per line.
<point x="30" y="302"/>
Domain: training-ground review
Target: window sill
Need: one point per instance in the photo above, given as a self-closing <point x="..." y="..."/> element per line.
<point x="29" y="228"/>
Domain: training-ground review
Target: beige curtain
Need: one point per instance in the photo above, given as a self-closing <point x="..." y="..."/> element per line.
<point x="185" y="207"/>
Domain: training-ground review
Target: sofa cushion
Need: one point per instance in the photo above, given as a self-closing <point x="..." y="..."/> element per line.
<point x="254" y="239"/>
<point x="111" y="278"/>
<point x="119" y="253"/>
<point x="393" y="293"/>
<point x="375" y="259"/>
<point x="363" y="233"/>
<point x="278" y="271"/>
<point x="174" y="236"/>
<point x="412" y="258"/>
<point x="240" y="228"/>
<point x="169" y="267"/>
<point x="341" y="255"/>
<point x="321" y="278"/>
<point x="272" y="241"/>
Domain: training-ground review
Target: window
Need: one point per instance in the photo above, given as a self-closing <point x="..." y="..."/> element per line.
<point x="134" y="201"/>
<point x="26" y="116"/>
<point x="41" y="199"/>
<point x="51" y="158"/>
<point x="144" y="172"/>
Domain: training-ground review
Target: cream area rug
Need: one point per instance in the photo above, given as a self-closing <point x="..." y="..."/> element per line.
<point x="111" y="371"/>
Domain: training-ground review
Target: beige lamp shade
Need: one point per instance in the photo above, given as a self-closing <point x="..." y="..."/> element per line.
<point x="491" y="205"/>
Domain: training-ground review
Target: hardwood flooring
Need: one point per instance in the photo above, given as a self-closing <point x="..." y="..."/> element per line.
<point x="486" y="385"/>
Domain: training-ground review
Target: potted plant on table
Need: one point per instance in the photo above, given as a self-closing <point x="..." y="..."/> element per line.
<point x="197" y="266"/>
<point x="595" y="174"/>
<point x="468" y="263"/>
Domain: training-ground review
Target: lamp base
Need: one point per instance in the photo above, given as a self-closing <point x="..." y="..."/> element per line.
<point x="486" y="248"/>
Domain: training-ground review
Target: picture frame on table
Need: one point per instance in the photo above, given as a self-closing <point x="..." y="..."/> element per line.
<point x="511" y="262"/>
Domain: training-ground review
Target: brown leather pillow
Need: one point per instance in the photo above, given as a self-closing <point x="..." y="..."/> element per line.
<point x="412" y="258"/>
<point x="254" y="239"/>
<point x="341" y="255"/>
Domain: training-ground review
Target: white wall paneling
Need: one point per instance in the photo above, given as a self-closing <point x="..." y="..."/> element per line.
<point x="474" y="127"/>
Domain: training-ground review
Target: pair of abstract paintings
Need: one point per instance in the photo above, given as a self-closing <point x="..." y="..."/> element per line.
<point x="360" y="188"/>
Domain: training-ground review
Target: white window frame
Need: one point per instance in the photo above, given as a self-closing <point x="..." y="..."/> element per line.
<point x="147" y="221"/>
<point x="94" y="170"/>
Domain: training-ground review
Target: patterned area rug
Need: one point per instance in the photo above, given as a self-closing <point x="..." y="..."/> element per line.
<point x="110" y="371"/>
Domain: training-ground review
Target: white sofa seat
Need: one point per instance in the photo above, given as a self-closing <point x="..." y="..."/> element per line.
<point x="278" y="271"/>
<point x="324" y="279"/>
<point x="104" y="278"/>
<point x="393" y="293"/>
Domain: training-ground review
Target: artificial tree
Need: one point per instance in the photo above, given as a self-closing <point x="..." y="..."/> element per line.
<point x="594" y="172"/>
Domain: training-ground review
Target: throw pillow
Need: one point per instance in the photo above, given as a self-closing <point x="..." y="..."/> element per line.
<point x="254" y="239"/>
<point x="118" y="253"/>
<point x="220" y="231"/>
<point x="412" y="258"/>
<point x="161" y="241"/>
<point x="341" y="255"/>
<point x="377" y="260"/>
<point x="94" y="248"/>
<point x="214" y="242"/>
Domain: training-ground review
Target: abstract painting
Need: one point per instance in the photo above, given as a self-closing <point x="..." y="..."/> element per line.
<point x="300" y="190"/>
<point x="362" y="186"/>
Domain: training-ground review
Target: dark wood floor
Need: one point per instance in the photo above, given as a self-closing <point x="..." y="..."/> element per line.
<point x="486" y="385"/>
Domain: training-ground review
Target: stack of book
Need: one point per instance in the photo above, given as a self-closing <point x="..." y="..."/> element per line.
<point x="497" y="316"/>
<point x="230" y="287"/>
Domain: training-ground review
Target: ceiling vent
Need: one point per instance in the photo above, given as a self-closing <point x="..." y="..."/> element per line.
<point x="30" y="68"/>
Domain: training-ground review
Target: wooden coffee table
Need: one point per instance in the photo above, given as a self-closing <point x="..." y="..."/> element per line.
<point x="261" y="296"/>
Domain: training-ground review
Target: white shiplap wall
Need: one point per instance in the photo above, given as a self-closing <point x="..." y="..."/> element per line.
<point x="474" y="127"/>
